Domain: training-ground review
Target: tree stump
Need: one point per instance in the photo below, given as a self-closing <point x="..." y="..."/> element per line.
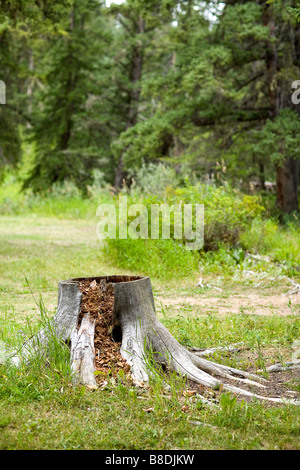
<point x="112" y="319"/>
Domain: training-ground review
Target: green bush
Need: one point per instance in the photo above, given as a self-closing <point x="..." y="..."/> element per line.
<point x="280" y="243"/>
<point x="227" y="214"/>
<point x="227" y="211"/>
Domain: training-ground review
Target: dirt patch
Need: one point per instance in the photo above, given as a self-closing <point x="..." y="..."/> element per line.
<point x="276" y="387"/>
<point x="252" y="304"/>
<point x="280" y="384"/>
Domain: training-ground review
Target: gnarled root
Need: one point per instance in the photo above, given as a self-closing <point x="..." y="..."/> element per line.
<point x="134" y="310"/>
<point x="134" y="314"/>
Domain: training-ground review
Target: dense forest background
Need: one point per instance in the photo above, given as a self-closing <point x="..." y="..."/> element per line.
<point x="97" y="91"/>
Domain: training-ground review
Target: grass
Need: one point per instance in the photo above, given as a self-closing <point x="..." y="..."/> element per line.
<point x="120" y="419"/>
<point x="40" y="409"/>
<point x="233" y="329"/>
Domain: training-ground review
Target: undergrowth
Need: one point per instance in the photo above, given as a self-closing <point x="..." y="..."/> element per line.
<point x="235" y="224"/>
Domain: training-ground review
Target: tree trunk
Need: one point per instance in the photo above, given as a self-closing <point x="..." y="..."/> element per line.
<point x="119" y="174"/>
<point x="261" y="174"/>
<point x="134" y="96"/>
<point x="287" y="182"/>
<point x="142" y="334"/>
<point x="287" y="174"/>
<point x="30" y="86"/>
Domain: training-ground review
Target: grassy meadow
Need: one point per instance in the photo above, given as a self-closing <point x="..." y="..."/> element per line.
<point x="43" y="241"/>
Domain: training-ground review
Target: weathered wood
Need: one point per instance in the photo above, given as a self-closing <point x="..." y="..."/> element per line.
<point x="210" y="351"/>
<point x="142" y="334"/>
<point x="283" y="367"/>
<point x="134" y="309"/>
<point x="61" y="326"/>
<point x="83" y="353"/>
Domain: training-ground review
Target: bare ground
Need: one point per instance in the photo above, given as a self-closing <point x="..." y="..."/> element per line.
<point x="248" y="303"/>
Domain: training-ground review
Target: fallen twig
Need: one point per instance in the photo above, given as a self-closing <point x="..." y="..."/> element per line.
<point x="200" y="284"/>
<point x="210" y="351"/>
<point x="296" y="289"/>
<point x="283" y="367"/>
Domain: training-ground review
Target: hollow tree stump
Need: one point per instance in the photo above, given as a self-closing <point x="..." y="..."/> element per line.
<point x="133" y="319"/>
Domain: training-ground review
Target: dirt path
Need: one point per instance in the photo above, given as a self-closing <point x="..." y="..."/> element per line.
<point x="248" y="303"/>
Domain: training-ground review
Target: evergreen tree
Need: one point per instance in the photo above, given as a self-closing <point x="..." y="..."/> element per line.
<point x="267" y="88"/>
<point x="206" y="85"/>
<point x="70" y="140"/>
<point x="228" y="78"/>
<point x="10" y="143"/>
<point x="20" y="21"/>
<point x="138" y="57"/>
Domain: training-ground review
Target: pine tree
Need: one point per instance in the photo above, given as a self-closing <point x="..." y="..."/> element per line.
<point x="10" y="143"/>
<point x="228" y="78"/>
<point x="70" y="140"/>
<point x="21" y="21"/>
<point x="140" y="26"/>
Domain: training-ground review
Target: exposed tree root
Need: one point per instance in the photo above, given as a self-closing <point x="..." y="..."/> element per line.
<point x="134" y="310"/>
<point x="210" y="351"/>
<point x="282" y="367"/>
<point x="141" y="332"/>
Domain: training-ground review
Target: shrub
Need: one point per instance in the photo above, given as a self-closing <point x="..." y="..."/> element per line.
<point x="280" y="243"/>
<point x="227" y="214"/>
